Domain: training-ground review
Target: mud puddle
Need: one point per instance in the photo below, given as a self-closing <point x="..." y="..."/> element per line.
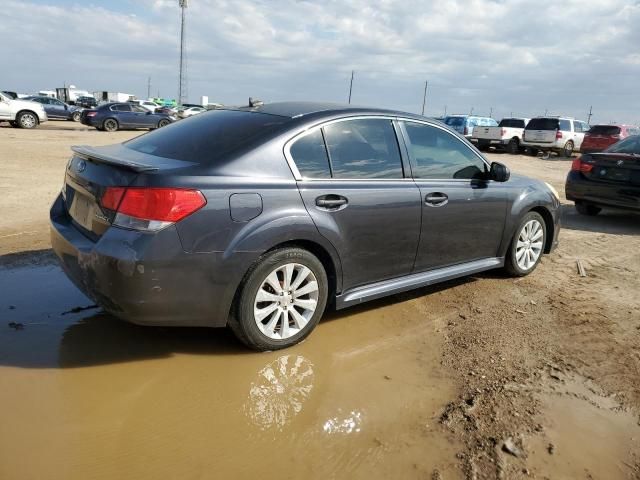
<point x="84" y="395"/>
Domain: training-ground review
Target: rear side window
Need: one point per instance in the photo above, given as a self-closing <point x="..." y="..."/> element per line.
<point x="363" y="149"/>
<point x="121" y="107"/>
<point x="565" y="125"/>
<point x="207" y="137"/>
<point x="310" y="156"/>
<point x="438" y="154"/>
<point x="543" y="124"/>
<point x="511" y="123"/>
<point x="604" y="130"/>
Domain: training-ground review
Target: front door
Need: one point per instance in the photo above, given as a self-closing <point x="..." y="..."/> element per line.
<point x="359" y="197"/>
<point x="463" y="213"/>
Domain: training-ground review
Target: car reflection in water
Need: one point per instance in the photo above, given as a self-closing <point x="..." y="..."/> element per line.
<point x="279" y="392"/>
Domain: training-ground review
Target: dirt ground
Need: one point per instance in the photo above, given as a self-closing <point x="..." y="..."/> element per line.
<point x="485" y="377"/>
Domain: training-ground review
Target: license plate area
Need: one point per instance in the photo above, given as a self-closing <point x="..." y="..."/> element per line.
<point x="81" y="210"/>
<point x="615" y="174"/>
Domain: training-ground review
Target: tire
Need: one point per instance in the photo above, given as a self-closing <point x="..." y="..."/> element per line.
<point x="75" y="116"/>
<point x="527" y="245"/>
<point x="587" y="209"/>
<point x="532" y="151"/>
<point x="272" y="334"/>
<point x="110" y="125"/>
<point x="513" y="147"/>
<point x="27" y="120"/>
<point x="163" y="123"/>
<point x="567" y="151"/>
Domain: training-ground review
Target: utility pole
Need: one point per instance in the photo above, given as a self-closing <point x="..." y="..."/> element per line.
<point x="149" y="88"/>
<point x="471" y="112"/>
<point x="491" y="113"/>
<point x="424" y="97"/>
<point x="545" y="112"/>
<point x="445" y="111"/>
<point x="590" y="114"/>
<point x="182" y="88"/>
<point x="351" y="86"/>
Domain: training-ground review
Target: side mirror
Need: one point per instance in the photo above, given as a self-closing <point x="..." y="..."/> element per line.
<point x="499" y="172"/>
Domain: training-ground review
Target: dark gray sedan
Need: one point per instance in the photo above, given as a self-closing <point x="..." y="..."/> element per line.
<point x="257" y="218"/>
<point x="122" y="116"/>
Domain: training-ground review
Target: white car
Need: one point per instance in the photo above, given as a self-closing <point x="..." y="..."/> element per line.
<point x="507" y="135"/>
<point x="554" y="134"/>
<point x="21" y="113"/>
<point x="147" y="104"/>
<point x="190" y="111"/>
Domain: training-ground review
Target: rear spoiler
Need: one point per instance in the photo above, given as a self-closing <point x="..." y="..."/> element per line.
<point x="99" y="153"/>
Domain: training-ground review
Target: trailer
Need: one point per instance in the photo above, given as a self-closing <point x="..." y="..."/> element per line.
<point x="70" y="94"/>
<point x="105" y="97"/>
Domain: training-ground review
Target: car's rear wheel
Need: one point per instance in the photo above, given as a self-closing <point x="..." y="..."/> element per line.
<point x="27" y="120"/>
<point x="587" y="209"/>
<point x="281" y="300"/>
<point x="163" y="123"/>
<point x="567" y="151"/>
<point x="110" y="125"/>
<point x="75" y="116"/>
<point x="526" y="246"/>
<point x="513" y="147"/>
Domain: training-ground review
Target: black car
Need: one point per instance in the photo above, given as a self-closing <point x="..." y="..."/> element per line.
<point x="610" y="178"/>
<point x="259" y="217"/>
<point x="86" y="102"/>
<point x="121" y="116"/>
<point x="57" y="109"/>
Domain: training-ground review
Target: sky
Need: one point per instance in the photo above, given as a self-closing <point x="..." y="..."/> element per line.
<point x="505" y="57"/>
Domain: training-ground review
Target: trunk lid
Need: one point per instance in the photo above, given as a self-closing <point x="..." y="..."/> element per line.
<point x="488" y="133"/>
<point x="621" y="168"/>
<point x="92" y="169"/>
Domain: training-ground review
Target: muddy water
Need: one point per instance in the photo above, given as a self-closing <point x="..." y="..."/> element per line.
<point x="83" y="395"/>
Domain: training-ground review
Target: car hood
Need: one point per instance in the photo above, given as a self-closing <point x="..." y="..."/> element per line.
<point x="28" y="104"/>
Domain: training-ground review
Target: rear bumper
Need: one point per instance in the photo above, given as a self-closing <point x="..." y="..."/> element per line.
<point x="543" y="146"/>
<point x="579" y="189"/>
<point x="146" y="278"/>
<point x="486" y="141"/>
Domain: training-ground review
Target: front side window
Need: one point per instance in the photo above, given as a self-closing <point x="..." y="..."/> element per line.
<point x="438" y="154"/>
<point x="310" y="156"/>
<point x="366" y="148"/>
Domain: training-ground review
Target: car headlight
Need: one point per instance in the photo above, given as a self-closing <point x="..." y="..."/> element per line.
<point x="553" y="190"/>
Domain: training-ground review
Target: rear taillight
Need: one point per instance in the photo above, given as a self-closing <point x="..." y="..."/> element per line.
<point x="558" y="134"/>
<point x="91" y="114"/>
<point x="503" y="132"/>
<point x="142" y="208"/>
<point x="579" y="166"/>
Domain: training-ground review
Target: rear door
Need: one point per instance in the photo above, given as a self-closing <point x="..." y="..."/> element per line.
<point x="463" y="214"/>
<point x="142" y="117"/>
<point x="58" y="108"/>
<point x="352" y="179"/>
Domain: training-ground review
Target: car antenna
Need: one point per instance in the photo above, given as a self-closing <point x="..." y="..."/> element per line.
<point x="255" y="103"/>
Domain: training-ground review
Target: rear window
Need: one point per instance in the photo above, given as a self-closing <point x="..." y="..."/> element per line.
<point x="628" y="145"/>
<point x="543" y="124"/>
<point x="454" y="121"/>
<point x="207" y="137"/>
<point x="511" y="123"/>
<point x="604" y="130"/>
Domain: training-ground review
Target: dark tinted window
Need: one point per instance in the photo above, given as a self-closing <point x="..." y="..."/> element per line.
<point x="121" y="107"/>
<point x="363" y="149"/>
<point x="565" y="125"/>
<point x="604" y="130"/>
<point x="543" y="124"/>
<point x="310" y="156"/>
<point x="207" y="137"/>
<point x="454" y="121"/>
<point x="628" y="145"/>
<point x="438" y="154"/>
<point x="511" y="123"/>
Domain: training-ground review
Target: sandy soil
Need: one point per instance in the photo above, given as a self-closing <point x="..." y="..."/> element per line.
<point x="484" y="377"/>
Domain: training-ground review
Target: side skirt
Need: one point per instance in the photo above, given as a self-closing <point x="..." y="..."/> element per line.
<point x="413" y="281"/>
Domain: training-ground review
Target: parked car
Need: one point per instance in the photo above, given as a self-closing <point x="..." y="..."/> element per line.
<point x="147" y="104"/>
<point x="119" y="116"/>
<point x="507" y="135"/>
<point x="86" y="102"/>
<point x="21" y="113"/>
<point x="190" y="111"/>
<point x="206" y="222"/>
<point x="600" y="137"/>
<point x="57" y="110"/>
<point x="12" y="95"/>
<point x="554" y="134"/>
<point x="173" y="111"/>
<point x="464" y="124"/>
<point x="610" y="178"/>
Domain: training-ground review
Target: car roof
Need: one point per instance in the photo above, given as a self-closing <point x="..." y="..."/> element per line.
<point x="300" y="109"/>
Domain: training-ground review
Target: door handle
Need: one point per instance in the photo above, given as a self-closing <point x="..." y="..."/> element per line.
<point x="331" y="202"/>
<point x="436" y="199"/>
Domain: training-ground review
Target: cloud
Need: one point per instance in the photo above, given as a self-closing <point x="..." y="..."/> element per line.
<point x="520" y="56"/>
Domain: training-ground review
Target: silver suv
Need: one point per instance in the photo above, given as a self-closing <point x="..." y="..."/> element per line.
<point x="554" y="134"/>
<point x="21" y="113"/>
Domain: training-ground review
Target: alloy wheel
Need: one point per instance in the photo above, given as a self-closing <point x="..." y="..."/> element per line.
<point x="286" y="301"/>
<point x="529" y="246"/>
<point x="28" y="120"/>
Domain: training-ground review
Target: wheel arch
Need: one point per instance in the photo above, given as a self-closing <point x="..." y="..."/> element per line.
<point x="26" y="110"/>
<point x="549" y="226"/>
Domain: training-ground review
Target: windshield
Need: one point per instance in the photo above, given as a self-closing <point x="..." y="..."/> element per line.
<point x="208" y="137"/>
<point x="628" y="145"/>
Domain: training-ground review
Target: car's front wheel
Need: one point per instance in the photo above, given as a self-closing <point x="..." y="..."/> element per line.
<point x="526" y="246"/>
<point x="27" y="120"/>
<point x="163" y="123"/>
<point x="75" y="116"/>
<point x="281" y="300"/>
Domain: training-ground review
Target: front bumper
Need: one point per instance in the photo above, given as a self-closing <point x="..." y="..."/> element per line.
<point x="146" y="278"/>
<point x="580" y="189"/>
